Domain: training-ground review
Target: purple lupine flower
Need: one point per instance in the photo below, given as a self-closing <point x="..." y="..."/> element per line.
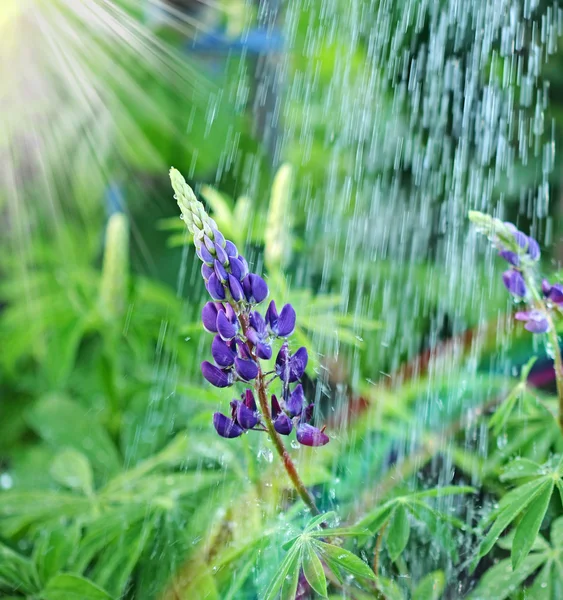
<point x="545" y="288"/>
<point x="246" y="369"/>
<point x="218" y="377"/>
<point x="227" y="323"/>
<point x="258" y="335"/>
<point x="311" y="436"/>
<point x="243" y="335"/>
<point x="514" y="283"/>
<point x="536" y="320"/>
<point x="226" y="427"/>
<point x="510" y="257"/>
<point x="290" y="368"/>
<point x="247" y="418"/>
<point x="282" y="325"/>
<point x="294" y="403"/>
<point x="224" y="353"/>
<point x="556" y="293"/>
<point x="209" y="316"/>
<point x="533" y="250"/>
<point x="255" y="288"/>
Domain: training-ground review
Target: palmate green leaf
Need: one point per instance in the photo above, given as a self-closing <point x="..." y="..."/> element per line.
<point x="500" y="581"/>
<point x="528" y="528"/>
<point x="347" y="561"/>
<point x="398" y="532"/>
<point x="520" y="468"/>
<point x="316" y="522"/>
<point x="436" y="523"/>
<point x="17" y="571"/>
<point x="430" y="587"/>
<point x="510" y="507"/>
<point x="502" y="414"/>
<point x="375" y="520"/>
<point x="557" y="533"/>
<point x="72" y="469"/>
<point x="340" y="532"/>
<point x="313" y="569"/>
<point x="440" y="492"/>
<point x="288" y="565"/>
<point x="542" y="588"/>
<point x="51" y="417"/>
<point x="54" y="548"/>
<point x="72" y="587"/>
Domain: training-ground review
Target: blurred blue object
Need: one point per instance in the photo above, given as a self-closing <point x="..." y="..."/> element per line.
<point x="254" y="41"/>
<point x="115" y="200"/>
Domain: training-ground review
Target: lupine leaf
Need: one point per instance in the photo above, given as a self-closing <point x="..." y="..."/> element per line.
<point x="500" y="581"/>
<point x="541" y="589"/>
<point x="313" y="523"/>
<point x="439" y="492"/>
<point x="72" y="469"/>
<point x="54" y="548"/>
<point x="529" y="527"/>
<point x="17" y="571"/>
<point x="509" y="513"/>
<point x="340" y="532"/>
<point x="313" y="569"/>
<point x="289" y="563"/>
<point x="345" y="560"/>
<point x="557" y="533"/>
<point x="375" y="520"/>
<point x="502" y="414"/>
<point x="520" y="468"/>
<point x="72" y="587"/>
<point x="430" y="587"/>
<point x="398" y="532"/>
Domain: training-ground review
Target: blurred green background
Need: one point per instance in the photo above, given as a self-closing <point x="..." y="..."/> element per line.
<point x="341" y="144"/>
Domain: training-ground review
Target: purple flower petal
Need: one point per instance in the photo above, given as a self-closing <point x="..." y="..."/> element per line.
<point x="294" y="404"/>
<point x="247" y="369"/>
<point x="291" y="368"/>
<point x="263" y="351"/>
<point x="220" y="271"/>
<point x="510" y="257"/>
<point x="204" y="254"/>
<point x="235" y="288"/>
<point x="223" y="355"/>
<point x="236" y="268"/>
<point x="226" y="327"/>
<point x="311" y="436"/>
<point x="523" y="315"/>
<point x="286" y="322"/>
<point x="230" y="249"/>
<point x="246" y="417"/>
<point x="221" y="255"/>
<point x="214" y="287"/>
<point x="283" y="424"/>
<point x="556" y="293"/>
<point x="218" y="377"/>
<point x="537" y="325"/>
<point x="533" y="250"/>
<point x="257" y="323"/>
<point x="209" y="317"/>
<point x="206" y="271"/>
<point x="272" y="316"/>
<point x="546" y="288"/>
<point x="308" y="415"/>
<point x="219" y="238"/>
<point x="208" y="242"/>
<point x="276" y="408"/>
<point x="249" y="400"/>
<point x="255" y="288"/>
<point x="521" y="238"/>
<point x="514" y="283"/>
<point x="226" y="427"/>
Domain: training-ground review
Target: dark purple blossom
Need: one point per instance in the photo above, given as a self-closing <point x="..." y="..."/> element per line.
<point x="246" y="369"/>
<point x="311" y="436"/>
<point x="209" y="316"/>
<point x="255" y="288"/>
<point x="545" y="288"/>
<point x="282" y="325"/>
<point x="235" y="288"/>
<point x="258" y="335"/>
<point x="536" y="320"/>
<point x="247" y="417"/>
<point x="283" y="424"/>
<point x="294" y="403"/>
<point x="510" y="257"/>
<point x="218" y="377"/>
<point x="290" y="368"/>
<point x="224" y="353"/>
<point x="227" y="323"/>
<point x="215" y="287"/>
<point x="556" y="293"/>
<point x="514" y="283"/>
<point x="226" y="427"/>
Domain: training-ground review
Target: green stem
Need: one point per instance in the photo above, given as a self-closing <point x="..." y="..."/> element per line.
<point x="288" y="464"/>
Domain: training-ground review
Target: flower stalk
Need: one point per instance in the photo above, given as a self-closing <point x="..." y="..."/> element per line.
<point x="244" y="338"/>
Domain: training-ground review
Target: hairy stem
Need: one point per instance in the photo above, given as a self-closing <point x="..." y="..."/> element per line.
<point x="288" y="464"/>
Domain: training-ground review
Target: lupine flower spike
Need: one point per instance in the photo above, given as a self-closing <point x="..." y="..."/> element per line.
<point x="544" y="301"/>
<point x="243" y="336"/>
